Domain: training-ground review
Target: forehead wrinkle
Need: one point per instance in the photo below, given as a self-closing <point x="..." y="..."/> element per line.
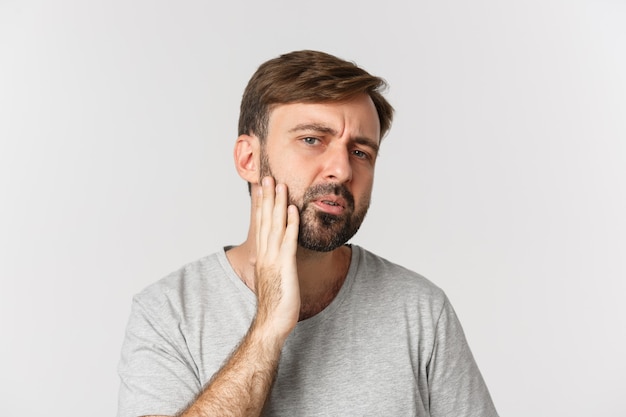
<point x="315" y="127"/>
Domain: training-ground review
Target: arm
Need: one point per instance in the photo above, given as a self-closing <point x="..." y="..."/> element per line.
<point x="456" y="385"/>
<point x="241" y="387"/>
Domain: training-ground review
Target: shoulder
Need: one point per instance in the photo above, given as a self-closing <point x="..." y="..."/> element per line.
<point x="382" y="270"/>
<point x="184" y="286"/>
<point x="390" y="279"/>
<point x="189" y="274"/>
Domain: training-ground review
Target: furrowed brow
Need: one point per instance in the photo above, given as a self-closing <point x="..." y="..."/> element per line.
<point x="313" y="127"/>
<point x="319" y="128"/>
<point x="367" y="142"/>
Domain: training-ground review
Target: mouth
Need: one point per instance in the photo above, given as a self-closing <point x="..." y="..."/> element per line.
<point x="331" y="204"/>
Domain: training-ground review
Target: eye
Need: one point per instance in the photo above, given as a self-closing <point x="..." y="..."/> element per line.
<point x="360" y="154"/>
<point x="310" y="140"/>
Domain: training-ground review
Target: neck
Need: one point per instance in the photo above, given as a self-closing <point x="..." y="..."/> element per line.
<point x="321" y="274"/>
<point x="320" y="270"/>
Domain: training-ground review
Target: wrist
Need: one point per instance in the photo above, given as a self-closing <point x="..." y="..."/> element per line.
<point x="266" y="333"/>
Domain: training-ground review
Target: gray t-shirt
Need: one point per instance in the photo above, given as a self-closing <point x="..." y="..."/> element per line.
<point x="389" y="344"/>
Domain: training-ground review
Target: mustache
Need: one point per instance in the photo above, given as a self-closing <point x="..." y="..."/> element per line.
<point x="315" y="191"/>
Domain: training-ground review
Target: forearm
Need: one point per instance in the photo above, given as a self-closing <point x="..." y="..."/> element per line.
<point x="243" y="384"/>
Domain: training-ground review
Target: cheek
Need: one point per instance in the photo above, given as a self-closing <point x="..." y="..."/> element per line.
<point x="364" y="183"/>
<point x="296" y="178"/>
<point x="294" y="188"/>
<point x="285" y="171"/>
<point x="363" y="200"/>
<point x="296" y="195"/>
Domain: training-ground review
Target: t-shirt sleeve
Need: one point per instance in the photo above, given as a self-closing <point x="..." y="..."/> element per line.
<point x="157" y="374"/>
<point x="456" y="386"/>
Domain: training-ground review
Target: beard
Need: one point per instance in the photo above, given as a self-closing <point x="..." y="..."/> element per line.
<point x="320" y="231"/>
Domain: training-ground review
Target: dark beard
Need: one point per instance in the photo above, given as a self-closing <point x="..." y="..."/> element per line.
<point x="319" y="231"/>
<point x="324" y="232"/>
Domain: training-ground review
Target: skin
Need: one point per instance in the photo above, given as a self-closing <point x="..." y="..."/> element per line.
<point x="307" y="144"/>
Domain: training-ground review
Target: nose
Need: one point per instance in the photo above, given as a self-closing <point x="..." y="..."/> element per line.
<point x="337" y="166"/>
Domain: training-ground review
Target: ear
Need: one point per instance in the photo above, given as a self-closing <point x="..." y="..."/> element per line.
<point x="247" y="157"/>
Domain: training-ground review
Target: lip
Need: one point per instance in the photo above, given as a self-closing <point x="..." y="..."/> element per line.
<point x="330" y="204"/>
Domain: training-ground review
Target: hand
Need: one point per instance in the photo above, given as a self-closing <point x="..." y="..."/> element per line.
<point x="276" y="280"/>
<point x="241" y="387"/>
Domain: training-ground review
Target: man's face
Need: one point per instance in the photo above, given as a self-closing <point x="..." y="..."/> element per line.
<point x="325" y="153"/>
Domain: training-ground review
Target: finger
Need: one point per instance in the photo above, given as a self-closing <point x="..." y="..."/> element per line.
<point x="257" y="206"/>
<point x="267" y="208"/>
<point x="279" y="218"/>
<point x="290" y="239"/>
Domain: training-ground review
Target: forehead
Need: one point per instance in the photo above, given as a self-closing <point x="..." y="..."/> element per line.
<point x="355" y="117"/>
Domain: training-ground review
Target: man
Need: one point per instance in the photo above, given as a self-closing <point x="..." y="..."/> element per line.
<point x="294" y="321"/>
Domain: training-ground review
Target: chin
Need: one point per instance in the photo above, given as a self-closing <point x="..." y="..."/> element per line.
<point x="325" y="233"/>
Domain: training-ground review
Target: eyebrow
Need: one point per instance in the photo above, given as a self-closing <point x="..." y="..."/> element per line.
<point x="315" y="127"/>
<point x="367" y="142"/>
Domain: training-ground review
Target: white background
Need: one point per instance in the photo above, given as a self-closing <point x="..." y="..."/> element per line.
<point x="503" y="179"/>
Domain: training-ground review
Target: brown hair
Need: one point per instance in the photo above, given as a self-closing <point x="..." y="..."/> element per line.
<point x="307" y="77"/>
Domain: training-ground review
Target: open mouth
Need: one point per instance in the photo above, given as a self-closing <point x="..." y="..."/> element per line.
<point x="333" y="199"/>
<point x="332" y="205"/>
